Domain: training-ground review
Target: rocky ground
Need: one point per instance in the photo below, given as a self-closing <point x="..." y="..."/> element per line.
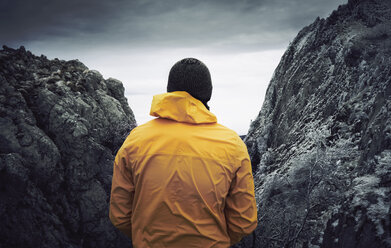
<point x="321" y="145"/>
<point x="61" y="125"/>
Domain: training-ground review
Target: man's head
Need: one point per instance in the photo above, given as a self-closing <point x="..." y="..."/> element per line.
<point x="192" y="76"/>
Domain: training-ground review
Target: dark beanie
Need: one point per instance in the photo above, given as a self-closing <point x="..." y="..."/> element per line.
<point x="192" y="76"/>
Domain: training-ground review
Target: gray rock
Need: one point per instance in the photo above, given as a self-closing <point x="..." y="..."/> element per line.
<point x="61" y="125"/>
<point x="321" y="145"/>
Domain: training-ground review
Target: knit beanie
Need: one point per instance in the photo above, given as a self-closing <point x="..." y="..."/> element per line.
<point x="192" y="76"/>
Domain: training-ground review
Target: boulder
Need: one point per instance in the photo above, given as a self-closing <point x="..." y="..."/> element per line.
<point x="61" y="125"/>
<point x="321" y="145"/>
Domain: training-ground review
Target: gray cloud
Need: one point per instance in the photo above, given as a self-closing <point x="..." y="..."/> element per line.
<point x="137" y="41"/>
<point x="245" y="24"/>
<point x="26" y="20"/>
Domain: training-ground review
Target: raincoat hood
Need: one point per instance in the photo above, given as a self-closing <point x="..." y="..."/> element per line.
<point x="182" y="107"/>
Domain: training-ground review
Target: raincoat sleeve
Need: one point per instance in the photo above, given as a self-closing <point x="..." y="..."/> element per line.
<point x="122" y="193"/>
<point x="241" y="209"/>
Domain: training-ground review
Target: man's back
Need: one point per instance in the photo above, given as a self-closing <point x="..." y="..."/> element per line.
<point x="191" y="178"/>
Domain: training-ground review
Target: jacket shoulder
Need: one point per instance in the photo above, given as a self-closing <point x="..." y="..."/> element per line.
<point x="232" y="136"/>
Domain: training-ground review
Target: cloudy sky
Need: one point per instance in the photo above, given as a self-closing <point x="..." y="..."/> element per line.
<point x="137" y="42"/>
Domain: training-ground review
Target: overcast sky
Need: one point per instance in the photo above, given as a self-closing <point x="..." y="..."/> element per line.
<point x="137" y="42"/>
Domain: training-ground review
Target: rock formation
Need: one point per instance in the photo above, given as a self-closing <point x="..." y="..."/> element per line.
<point x="61" y="125"/>
<point x="321" y="145"/>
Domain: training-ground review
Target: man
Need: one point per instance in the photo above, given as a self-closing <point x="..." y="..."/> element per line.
<point x="182" y="180"/>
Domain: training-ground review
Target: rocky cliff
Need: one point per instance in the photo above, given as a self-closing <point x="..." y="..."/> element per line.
<point x="61" y="125"/>
<point x="321" y="145"/>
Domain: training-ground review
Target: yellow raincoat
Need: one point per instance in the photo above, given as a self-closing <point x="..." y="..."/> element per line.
<point x="182" y="180"/>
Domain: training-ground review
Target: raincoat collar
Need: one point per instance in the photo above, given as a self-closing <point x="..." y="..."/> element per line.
<point x="182" y="107"/>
